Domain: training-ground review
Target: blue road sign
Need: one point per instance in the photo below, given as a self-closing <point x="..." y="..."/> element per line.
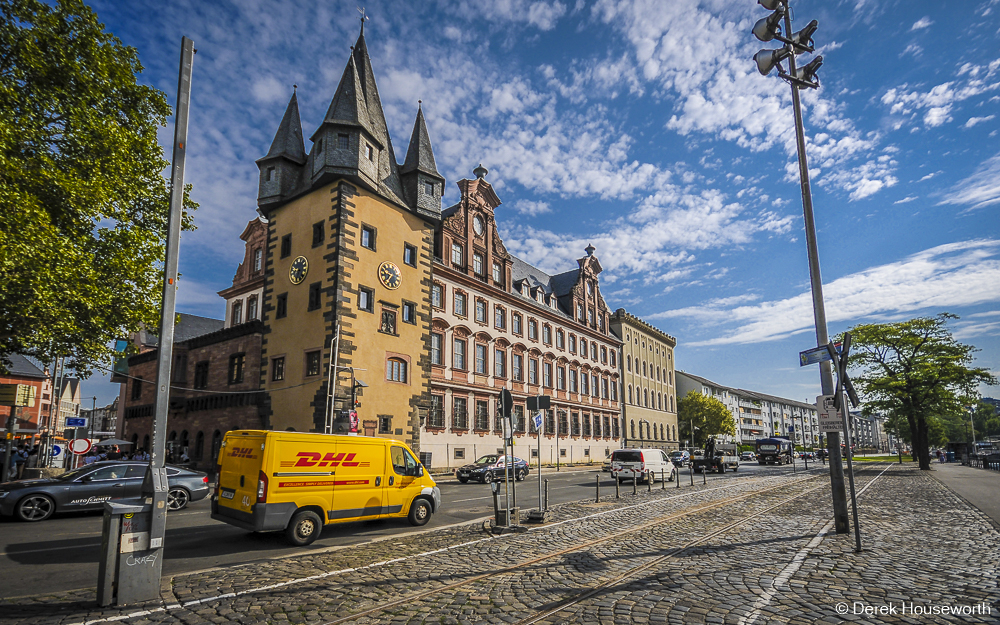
<point x="538" y="421"/>
<point x="76" y="422"/>
<point x="56" y="450"/>
<point x="815" y="355"/>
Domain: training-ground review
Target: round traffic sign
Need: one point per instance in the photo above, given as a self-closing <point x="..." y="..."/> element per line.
<point x="80" y="445"/>
<point x="56" y="451"/>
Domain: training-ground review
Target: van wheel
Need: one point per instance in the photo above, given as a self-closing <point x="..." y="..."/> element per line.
<point x="304" y="528"/>
<point x="420" y="512"/>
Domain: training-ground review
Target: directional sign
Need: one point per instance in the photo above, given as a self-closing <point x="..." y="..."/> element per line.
<point x="815" y="355"/>
<point x="538" y="421"/>
<point x="76" y="422"/>
<point x="829" y="418"/>
<point x="56" y="451"/>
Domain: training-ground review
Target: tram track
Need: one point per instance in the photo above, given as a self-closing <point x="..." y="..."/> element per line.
<point x="410" y="598"/>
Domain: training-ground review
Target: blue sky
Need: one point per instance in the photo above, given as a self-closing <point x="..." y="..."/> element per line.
<point x="644" y="129"/>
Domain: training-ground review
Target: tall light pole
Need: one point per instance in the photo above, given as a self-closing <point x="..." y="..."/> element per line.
<point x="805" y="77"/>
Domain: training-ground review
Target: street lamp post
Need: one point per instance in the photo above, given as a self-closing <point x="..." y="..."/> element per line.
<point x="805" y="77"/>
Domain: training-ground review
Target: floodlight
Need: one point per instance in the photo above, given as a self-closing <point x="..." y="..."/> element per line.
<point x="770" y="5"/>
<point x="803" y="38"/>
<point x="767" y="59"/>
<point x="807" y="73"/>
<point x="767" y="27"/>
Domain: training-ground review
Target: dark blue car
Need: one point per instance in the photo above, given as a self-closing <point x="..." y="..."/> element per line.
<point x="489" y="468"/>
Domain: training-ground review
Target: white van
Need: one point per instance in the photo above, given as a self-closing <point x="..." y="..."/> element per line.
<point x="642" y="464"/>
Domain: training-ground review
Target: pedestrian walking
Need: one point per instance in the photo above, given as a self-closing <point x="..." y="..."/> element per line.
<point x="20" y="457"/>
<point x="114" y="453"/>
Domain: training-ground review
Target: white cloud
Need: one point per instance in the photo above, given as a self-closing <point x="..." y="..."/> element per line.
<point x="938" y="279"/>
<point x="906" y="200"/>
<point x="938" y="103"/>
<point x="531" y="207"/>
<point x="978" y="120"/>
<point x="922" y="23"/>
<point x="979" y="190"/>
<point x="542" y="15"/>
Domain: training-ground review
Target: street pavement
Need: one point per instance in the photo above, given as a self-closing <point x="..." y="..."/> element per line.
<point x="758" y="549"/>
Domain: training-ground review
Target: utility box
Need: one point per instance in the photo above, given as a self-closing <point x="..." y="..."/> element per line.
<point x="129" y="570"/>
<point x="504" y="519"/>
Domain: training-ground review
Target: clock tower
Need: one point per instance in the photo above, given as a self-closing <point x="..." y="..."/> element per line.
<point x="349" y="251"/>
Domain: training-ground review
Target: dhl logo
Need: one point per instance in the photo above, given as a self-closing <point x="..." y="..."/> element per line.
<point x="242" y="452"/>
<point x="316" y="459"/>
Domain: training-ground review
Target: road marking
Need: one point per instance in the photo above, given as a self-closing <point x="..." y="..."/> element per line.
<point x="87" y="545"/>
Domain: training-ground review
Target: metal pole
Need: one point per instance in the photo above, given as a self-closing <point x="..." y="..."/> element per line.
<point x="691" y="470"/>
<point x="618" y="486"/>
<point x="156" y="475"/>
<point x="839" y="492"/>
<point x="539" y="432"/>
<point x="850" y="475"/>
<point x="557" y="439"/>
<point x="331" y="394"/>
<point x="546" y="494"/>
<point x="597" y="499"/>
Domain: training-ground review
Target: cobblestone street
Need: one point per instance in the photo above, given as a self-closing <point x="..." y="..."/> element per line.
<point x="755" y="550"/>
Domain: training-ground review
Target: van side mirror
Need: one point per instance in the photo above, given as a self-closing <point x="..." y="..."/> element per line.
<point x="420" y="470"/>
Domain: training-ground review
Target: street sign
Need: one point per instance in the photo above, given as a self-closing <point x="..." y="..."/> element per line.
<point x="538" y="421"/>
<point x="80" y="446"/>
<point x="56" y="451"/>
<point x="76" y="422"/>
<point x="815" y="355"/>
<point x="506" y="403"/>
<point x="829" y="418"/>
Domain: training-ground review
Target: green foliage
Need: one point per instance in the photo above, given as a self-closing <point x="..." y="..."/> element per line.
<point x="710" y="417"/>
<point x="83" y="204"/>
<point x="916" y="373"/>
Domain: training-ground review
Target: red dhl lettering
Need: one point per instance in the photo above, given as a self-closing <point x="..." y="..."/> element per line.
<point x="314" y="484"/>
<point x="316" y="459"/>
<point x="242" y="452"/>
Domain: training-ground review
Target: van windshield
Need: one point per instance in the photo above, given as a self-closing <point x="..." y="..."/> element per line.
<point x="627" y="456"/>
<point x="768" y="447"/>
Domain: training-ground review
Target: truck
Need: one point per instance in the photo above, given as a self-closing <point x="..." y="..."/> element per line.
<point x="777" y="450"/>
<point x="717" y="458"/>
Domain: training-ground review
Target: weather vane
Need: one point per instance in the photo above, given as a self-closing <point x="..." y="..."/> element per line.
<point x="364" y="17"/>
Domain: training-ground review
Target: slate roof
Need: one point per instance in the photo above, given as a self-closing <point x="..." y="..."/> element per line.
<point x="288" y="140"/>
<point x="189" y="327"/>
<point x="21" y="366"/>
<point x="419" y="155"/>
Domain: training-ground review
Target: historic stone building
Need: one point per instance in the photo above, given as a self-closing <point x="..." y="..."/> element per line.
<point x="243" y="299"/>
<point x="347" y="268"/>
<point x="499" y="322"/>
<point x="649" y="397"/>
<point x="30" y="419"/>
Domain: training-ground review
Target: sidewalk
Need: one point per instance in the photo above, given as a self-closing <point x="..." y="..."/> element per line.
<point x="980" y="487"/>
<point x="763" y="553"/>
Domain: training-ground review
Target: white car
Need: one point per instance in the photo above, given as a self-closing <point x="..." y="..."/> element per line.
<point x="747" y="456"/>
<point x="642" y="465"/>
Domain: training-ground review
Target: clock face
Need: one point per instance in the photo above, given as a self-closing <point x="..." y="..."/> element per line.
<point x="299" y="269"/>
<point x="389" y="275"/>
<point x="477" y="225"/>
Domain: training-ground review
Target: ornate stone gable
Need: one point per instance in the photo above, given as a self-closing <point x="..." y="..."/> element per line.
<point x="255" y="236"/>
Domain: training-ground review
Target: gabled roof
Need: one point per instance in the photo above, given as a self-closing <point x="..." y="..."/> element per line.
<point x="288" y="140"/>
<point x="419" y="155"/>
<point x="21" y="366"/>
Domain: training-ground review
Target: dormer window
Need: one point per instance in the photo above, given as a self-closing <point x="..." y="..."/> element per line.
<point x="258" y="259"/>
<point x="429" y="188"/>
<point x="319" y="145"/>
<point x="369" y="152"/>
<point x="344" y="141"/>
<point x="270" y="174"/>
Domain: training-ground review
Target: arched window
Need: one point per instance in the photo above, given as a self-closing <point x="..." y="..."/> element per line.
<point x="184" y="439"/>
<point x="654" y="433"/>
<point x="135" y="443"/>
<point x="628" y="363"/>
<point x="145" y="443"/>
<point x="644" y="368"/>
<point x="661" y="431"/>
<point x="671" y="403"/>
<point x="657" y="374"/>
<point x="216" y="444"/>
<point x="395" y="370"/>
<point x="252" y="308"/>
<point x="632" y="427"/>
<point x="199" y="446"/>
<point x="237" y="313"/>
<point x="173" y="435"/>
<point x="645" y="397"/>
<point x="659" y="401"/>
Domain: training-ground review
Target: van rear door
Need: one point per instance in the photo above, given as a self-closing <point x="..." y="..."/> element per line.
<point x="241" y="458"/>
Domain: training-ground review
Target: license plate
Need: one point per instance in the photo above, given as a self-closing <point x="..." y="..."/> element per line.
<point x="228" y="493"/>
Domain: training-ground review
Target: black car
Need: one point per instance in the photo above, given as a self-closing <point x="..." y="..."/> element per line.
<point x="88" y="487"/>
<point x="489" y="468"/>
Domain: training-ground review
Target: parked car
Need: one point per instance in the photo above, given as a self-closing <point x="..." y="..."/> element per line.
<point x="680" y="458"/>
<point x="746" y="456"/>
<point x="606" y="467"/>
<point x="489" y="468"/>
<point x="87" y="488"/>
<point x="642" y="464"/>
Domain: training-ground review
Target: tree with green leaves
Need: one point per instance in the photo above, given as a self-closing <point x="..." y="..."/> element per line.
<point x="915" y="371"/>
<point x="709" y="416"/>
<point x="83" y="202"/>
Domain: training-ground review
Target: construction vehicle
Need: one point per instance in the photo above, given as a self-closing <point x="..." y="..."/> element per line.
<point x="717" y="458"/>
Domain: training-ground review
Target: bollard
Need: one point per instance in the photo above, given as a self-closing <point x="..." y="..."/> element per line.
<point x="598" y="498"/>
<point x="618" y="484"/>
<point x="650" y="476"/>
<point x="677" y="476"/>
<point x="635" y="481"/>
<point x="691" y="468"/>
<point x="704" y="475"/>
<point x="546" y="494"/>
<point x="663" y="479"/>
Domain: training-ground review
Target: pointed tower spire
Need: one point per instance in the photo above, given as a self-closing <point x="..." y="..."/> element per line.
<point x="422" y="184"/>
<point x="348" y="105"/>
<point x="419" y="155"/>
<point x="288" y="140"/>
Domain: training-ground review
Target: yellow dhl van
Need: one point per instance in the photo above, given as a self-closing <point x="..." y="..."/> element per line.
<point x="297" y="482"/>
